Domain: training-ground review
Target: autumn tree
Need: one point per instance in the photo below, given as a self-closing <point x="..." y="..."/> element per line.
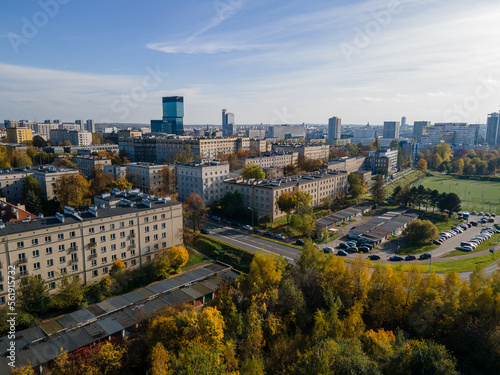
<point x="100" y="182"/>
<point x="168" y="181"/>
<point x="194" y="212"/>
<point x="422" y="164"/>
<point x="253" y="171"/>
<point x="265" y="273"/>
<point x="117" y="266"/>
<point x="420" y="231"/>
<point x="122" y="184"/>
<point x="356" y="186"/>
<point x="304" y="224"/>
<point x="159" y="360"/>
<point x="70" y="292"/>
<point x="71" y="190"/>
<point x="286" y="203"/>
<point x="177" y="257"/>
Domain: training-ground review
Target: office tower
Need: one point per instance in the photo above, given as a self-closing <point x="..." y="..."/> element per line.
<point x="403" y="122"/>
<point x="418" y="129"/>
<point x="228" y="128"/>
<point x="173" y="112"/>
<point x="90" y="127"/>
<point x="391" y="129"/>
<point x="80" y="124"/>
<point x="334" y="129"/>
<point x="493" y="129"/>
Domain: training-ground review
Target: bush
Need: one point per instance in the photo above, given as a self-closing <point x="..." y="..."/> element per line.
<point x="235" y="256"/>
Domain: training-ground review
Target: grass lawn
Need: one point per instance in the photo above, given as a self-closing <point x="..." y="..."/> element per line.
<point x="414" y="249"/>
<point x="276" y="241"/>
<point x="195" y="259"/>
<point x="475" y="195"/>
<point x="407" y="180"/>
<point x="329" y="239"/>
<point x="482" y="246"/>
<point x="466" y="264"/>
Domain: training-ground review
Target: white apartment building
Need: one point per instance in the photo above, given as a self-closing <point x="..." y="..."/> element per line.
<point x="272" y="159"/>
<point x="87" y="163"/>
<point x="309" y="151"/>
<point x="48" y="175"/>
<point x="205" y="178"/>
<point x="75" y="137"/>
<point x="86" y="244"/>
<point x="147" y="176"/>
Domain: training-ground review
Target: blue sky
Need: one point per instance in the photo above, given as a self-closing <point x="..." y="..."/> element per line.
<point x="266" y="61"/>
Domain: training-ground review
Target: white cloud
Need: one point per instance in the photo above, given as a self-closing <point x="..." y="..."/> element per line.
<point x="204" y="47"/>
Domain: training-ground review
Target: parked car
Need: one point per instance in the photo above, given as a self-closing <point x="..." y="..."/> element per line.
<point x="341" y="253"/>
<point x="437" y="242"/>
<point x="474" y="213"/>
<point x="352" y="243"/>
<point x="205" y="231"/>
<point x="474" y="223"/>
<point x="328" y="250"/>
<point x="424" y="256"/>
<point x="481" y="213"/>
<point x="299" y="242"/>
<point x="491" y="220"/>
<point x="269" y="233"/>
<point x="352" y="249"/>
<point x="343" y="245"/>
<point x="280" y="236"/>
<point x="410" y="257"/>
<point x="373" y="257"/>
<point x="494" y="215"/>
<point x="247" y="227"/>
<point x="464" y="248"/>
<point x="396" y="258"/>
<point x="364" y="249"/>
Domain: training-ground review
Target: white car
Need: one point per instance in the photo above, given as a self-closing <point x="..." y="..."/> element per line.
<point x="247" y="227"/>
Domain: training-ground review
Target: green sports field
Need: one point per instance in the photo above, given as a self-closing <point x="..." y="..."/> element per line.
<point x="475" y="195"/>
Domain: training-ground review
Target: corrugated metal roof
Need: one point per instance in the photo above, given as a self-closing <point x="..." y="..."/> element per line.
<point x="33" y="333"/>
<point x="67" y="321"/>
<point x="96" y="310"/>
<point x="51" y="327"/>
<point x="110" y="325"/>
<point x="82" y="315"/>
<point x="194" y="294"/>
<point x="144" y="292"/>
<point x="202" y="289"/>
<point x="106" y="306"/>
<point x="119" y="302"/>
<point x="133" y="297"/>
<point x="184" y="297"/>
<point x="124" y="319"/>
<point x="95" y="331"/>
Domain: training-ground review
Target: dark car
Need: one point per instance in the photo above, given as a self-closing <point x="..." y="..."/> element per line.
<point x="396" y="258"/>
<point x="373" y="257"/>
<point x="437" y="242"/>
<point x="343" y="245"/>
<point x="328" y="250"/>
<point x="269" y="233"/>
<point x="411" y="257"/>
<point x="491" y="220"/>
<point x="205" y="231"/>
<point x="474" y="223"/>
<point x="364" y="249"/>
<point x="341" y="253"/>
<point x="352" y="249"/>
<point x="299" y="242"/>
<point x="424" y="256"/>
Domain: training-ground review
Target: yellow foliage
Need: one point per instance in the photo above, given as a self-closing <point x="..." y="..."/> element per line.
<point x="178" y="256"/>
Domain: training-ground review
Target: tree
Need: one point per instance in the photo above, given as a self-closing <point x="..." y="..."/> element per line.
<point x="444" y="151"/>
<point x="95" y="139"/>
<point x="177" y="257"/>
<point x="356" y="187"/>
<point x="100" y="182"/>
<point x="449" y="202"/>
<point x="31" y="184"/>
<point x="168" y="178"/>
<point x="265" y="219"/>
<point x="194" y="212"/>
<point x="422" y="165"/>
<point x="38" y="141"/>
<point x="33" y="203"/>
<point x="376" y="144"/>
<point x="122" y="184"/>
<point x="70" y="293"/>
<point x="303" y="198"/>
<point x="378" y="190"/>
<point x="304" y="224"/>
<point x="253" y="171"/>
<point x="117" y="266"/>
<point x="232" y="204"/>
<point x="107" y="359"/>
<point x="159" y="360"/>
<point x="33" y="295"/>
<point x="161" y="267"/>
<point x="71" y="190"/>
<point x="24" y="370"/>
<point x="420" y="231"/>
<point x="265" y="273"/>
<point x="286" y="203"/>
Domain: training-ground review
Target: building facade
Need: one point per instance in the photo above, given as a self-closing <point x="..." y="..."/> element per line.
<point x="334" y="130"/>
<point x="309" y="151"/>
<point x="382" y="161"/>
<point x="75" y="137"/>
<point x="418" y="129"/>
<point x="391" y="129"/>
<point x="134" y="231"/>
<point x="148" y="177"/>
<point x="87" y="163"/>
<point x="205" y="178"/>
<point x="228" y="124"/>
<point x="493" y="129"/>
<point x="173" y="116"/>
<point x="19" y="135"/>
<point x="272" y="159"/>
<point x="287" y="131"/>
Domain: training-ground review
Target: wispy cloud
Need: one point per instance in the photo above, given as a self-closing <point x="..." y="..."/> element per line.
<point x="212" y="47"/>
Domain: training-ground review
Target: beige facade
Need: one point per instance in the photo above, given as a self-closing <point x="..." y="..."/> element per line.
<point x="75" y="137"/>
<point x="146" y="176"/>
<point x="273" y="160"/>
<point x="19" y="135"/>
<point x="309" y="151"/>
<point x="86" y="245"/>
<point x="204" y="178"/>
<point x="87" y="163"/>
<point x="47" y="176"/>
<point x="350" y="165"/>
<point x="259" y="145"/>
<point x="262" y="196"/>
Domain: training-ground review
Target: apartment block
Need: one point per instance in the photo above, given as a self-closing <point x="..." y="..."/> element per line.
<point x="47" y="176"/>
<point x="87" y="163"/>
<point x="147" y="176"/>
<point x="287" y="131"/>
<point x="382" y="161"/>
<point x="205" y="178"/>
<point x="259" y="145"/>
<point x="75" y="137"/>
<point x="19" y="135"/>
<point x="262" y="195"/>
<point x="86" y="244"/>
<point x="307" y="150"/>
<point x="350" y="165"/>
<point x="273" y="159"/>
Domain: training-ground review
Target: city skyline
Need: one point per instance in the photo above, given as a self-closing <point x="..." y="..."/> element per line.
<point x="279" y="63"/>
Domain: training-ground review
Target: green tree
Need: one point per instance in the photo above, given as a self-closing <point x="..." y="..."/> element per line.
<point x="70" y="292"/>
<point x="161" y="267"/>
<point x="286" y="203"/>
<point x="38" y="141"/>
<point x="376" y="144"/>
<point x="449" y="202"/>
<point x="72" y="190"/>
<point x="232" y="204"/>
<point x="253" y="171"/>
<point x="378" y="190"/>
<point x="356" y="187"/>
<point x="420" y="231"/>
<point x="33" y="203"/>
<point x="194" y="212"/>
<point x="304" y="224"/>
<point x="31" y="184"/>
<point x="33" y="295"/>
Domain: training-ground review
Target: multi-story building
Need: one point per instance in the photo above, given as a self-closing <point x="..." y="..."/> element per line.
<point x="173" y="117"/>
<point x="147" y="176"/>
<point x="493" y="129"/>
<point x="47" y="176"/>
<point x="272" y="159"/>
<point x="262" y="195"/>
<point x="90" y="126"/>
<point x="382" y="161"/>
<point x="458" y="135"/>
<point x="228" y="125"/>
<point x="306" y="150"/>
<point x="418" y="129"/>
<point x="118" y="171"/>
<point x="391" y="129"/>
<point x="43" y="130"/>
<point x="10" y="213"/>
<point x="87" y="163"/>
<point x="256" y="133"/>
<point x="350" y="165"/>
<point x="19" y="135"/>
<point x="75" y="137"/>
<point x="205" y="178"/>
<point x="287" y="131"/>
<point x="133" y="229"/>
<point x="11" y="183"/>
<point x="259" y="145"/>
<point x="334" y="130"/>
<point x="364" y="135"/>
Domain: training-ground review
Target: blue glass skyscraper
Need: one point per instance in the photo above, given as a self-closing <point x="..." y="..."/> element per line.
<point x="173" y="117"/>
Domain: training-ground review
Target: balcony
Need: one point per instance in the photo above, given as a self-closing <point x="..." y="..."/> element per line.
<point x="92" y="244"/>
<point x="22" y="261"/>
<point x="92" y="256"/>
<point x="132" y="235"/>
<point x="132" y="246"/>
<point x="73" y="261"/>
<point x="23" y="273"/>
<point x="73" y="249"/>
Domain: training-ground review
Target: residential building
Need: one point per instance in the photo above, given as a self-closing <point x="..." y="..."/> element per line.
<point x="173" y="116"/>
<point x="118" y="171"/>
<point x="259" y="145"/>
<point x="75" y="137"/>
<point x="87" y="163"/>
<point x="205" y="178"/>
<point x="43" y="130"/>
<point x="287" y="131"/>
<point x="334" y="130"/>
<point x="11" y="183"/>
<point x="493" y="129"/>
<point x="19" y="135"/>
<point x="306" y="150"/>
<point x="47" y="176"/>
<point x="148" y="177"/>
<point x="418" y="129"/>
<point x="228" y="125"/>
<point x="90" y="126"/>
<point x="262" y="195"/>
<point x="256" y="133"/>
<point x="364" y="135"/>
<point x="350" y="165"/>
<point x="272" y="159"/>
<point x="10" y="213"/>
<point x="458" y="135"/>
<point x="391" y="129"/>
<point x="134" y="230"/>
<point x="382" y="161"/>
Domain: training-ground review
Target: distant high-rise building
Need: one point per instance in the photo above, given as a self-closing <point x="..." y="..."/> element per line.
<point x="391" y="129"/>
<point x="418" y="129"/>
<point x="173" y="117"/>
<point x="80" y="124"/>
<point x="334" y="129"/>
<point x="403" y="121"/>
<point x="493" y="129"/>
<point x="90" y="127"/>
<point x="228" y="128"/>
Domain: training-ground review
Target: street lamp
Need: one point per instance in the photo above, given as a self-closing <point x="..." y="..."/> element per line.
<point x="252" y="216"/>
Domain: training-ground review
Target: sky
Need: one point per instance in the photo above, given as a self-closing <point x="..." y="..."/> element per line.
<point x="267" y="61"/>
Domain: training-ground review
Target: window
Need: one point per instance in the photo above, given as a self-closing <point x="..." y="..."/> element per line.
<point x="163" y="216"/>
<point x="113" y="236"/>
<point x="104" y="260"/>
<point x="94" y="273"/>
<point x="132" y="252"/>
<point x="74" y="267"/>
<point x="34" y="242"/>
<point x="146" y="219"/>
<point x="50" y="274"/>
<point x="48" y="239"/>
<point x="148" y="248"/>
<point x="122" y="245"/>
<point x="91" y="230"/>
<point x="36" y="266"/>
<point x="113" y="247"/>
<point x="122" y="224"/>
<point x="48" y="250"/>
<point x="102" y="228"/>
<point x="63" y="271"/>
<point x="131" y="222"/>
<point x="146" y="229"/>
<point x="2" y="300"/>
<point x="72" y="234"/>
<point x="155" y="217"/>
<point x="103" y="249"/>
<point x="164" y="235"/>
<point x="36" y="253"/>
<point x="50" y="262"/>
<point x="113" y="258"/>
<point x="133" y="262"/>
<point x="74" y="257"/>
<point x="20" y="244"/>
<point x="148" y="258"/>
<point x="61" y="247"/>
<point x="122" y="234"/>
<point x="62" y="259"/>
<point x="52" y="285"/>
<point x="155" y="227"/>
<point x="163" y="225"/>
<point x="94" y="263"/>
<point x="105" y="270"/>
<point x="103" y="238"/>
<point x="111" y="226"/>
<point x="60" y="236"/>
<point x="147" y="239"/>
<point x="124" y="255"/>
